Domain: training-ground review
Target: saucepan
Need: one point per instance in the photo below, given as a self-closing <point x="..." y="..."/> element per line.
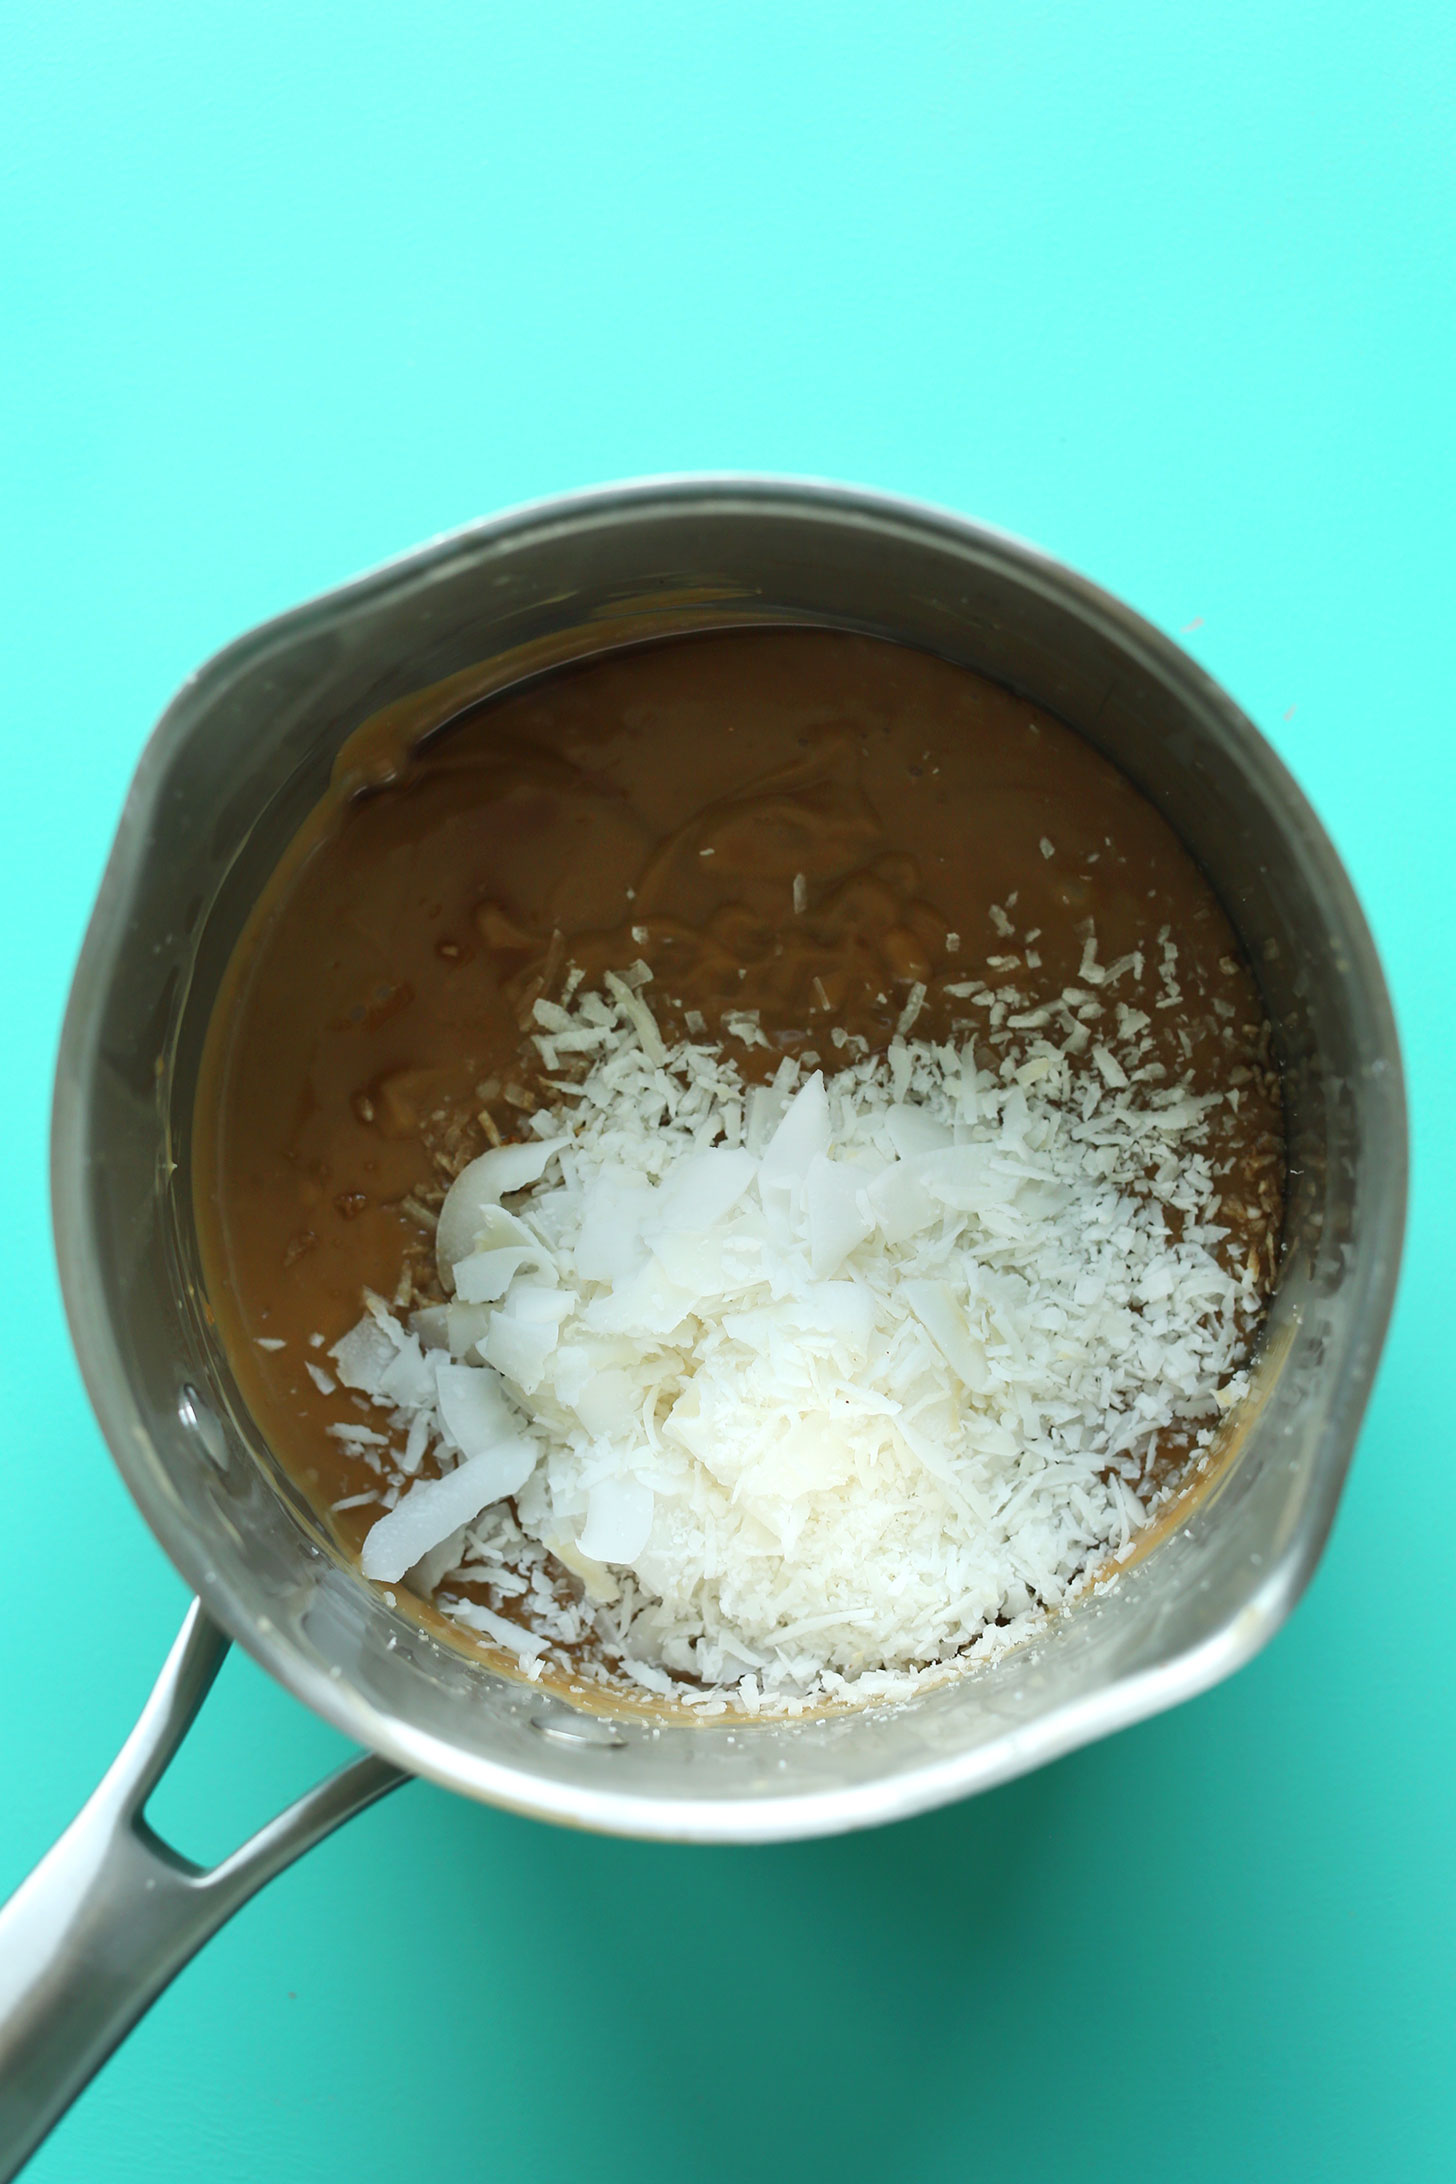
<point x="236" y="765"/>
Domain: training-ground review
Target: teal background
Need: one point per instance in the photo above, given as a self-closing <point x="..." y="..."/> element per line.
<point x="287" y="287"/>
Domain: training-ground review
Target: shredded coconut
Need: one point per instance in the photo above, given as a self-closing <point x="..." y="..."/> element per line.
<point x="811" y="1386"/>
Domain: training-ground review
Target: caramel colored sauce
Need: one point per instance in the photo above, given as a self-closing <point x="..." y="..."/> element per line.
<point x="798" y="822"/>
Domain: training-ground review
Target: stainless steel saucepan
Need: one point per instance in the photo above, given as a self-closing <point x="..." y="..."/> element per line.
<point x="235" y="766"/>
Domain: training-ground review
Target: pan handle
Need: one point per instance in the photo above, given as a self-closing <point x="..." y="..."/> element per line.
<point x="112" y="1913"/>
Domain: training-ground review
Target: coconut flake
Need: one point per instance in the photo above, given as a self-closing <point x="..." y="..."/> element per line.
<point x="364" y="1355"/>
<point x="434" y="1508"/>
<point x="619" y="1520"/>
<point x="837" y="1213"/>
<point x="473" y="1199"/>
<point x="473" y="1407"/>
<point x="802" y="1134"/>
<point x="527" y="1645"/>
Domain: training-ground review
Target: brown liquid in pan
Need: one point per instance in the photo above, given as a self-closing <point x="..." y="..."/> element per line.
<point x="658" y="805"/>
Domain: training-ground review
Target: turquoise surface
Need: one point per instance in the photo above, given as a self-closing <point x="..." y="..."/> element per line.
<point x="288" y="287"/>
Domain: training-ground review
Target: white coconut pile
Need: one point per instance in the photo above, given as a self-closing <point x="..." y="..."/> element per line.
<point x="812" y="1387"/>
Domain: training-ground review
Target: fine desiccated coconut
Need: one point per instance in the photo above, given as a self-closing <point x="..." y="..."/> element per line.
<point x="811" y="1386"/>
